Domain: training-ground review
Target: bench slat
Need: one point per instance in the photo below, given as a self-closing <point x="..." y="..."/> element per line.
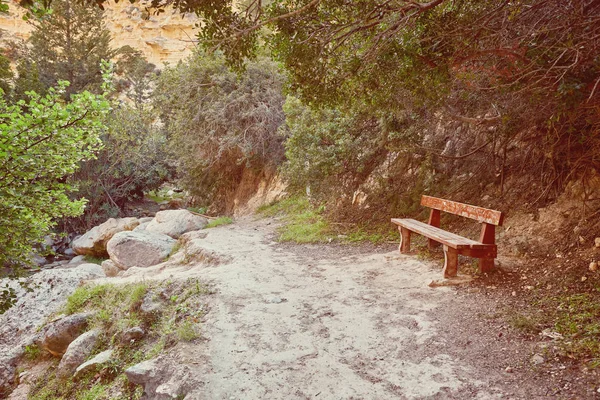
<point x="439" y="235"/>
<point x="480" y="214"/>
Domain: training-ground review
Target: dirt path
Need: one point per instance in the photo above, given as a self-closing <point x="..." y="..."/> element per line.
<point x="296" y="322"/>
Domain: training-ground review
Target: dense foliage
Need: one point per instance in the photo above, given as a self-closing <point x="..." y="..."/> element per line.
<point x="42" y="141"/>
<point x="134" y="159"/>
<point x="514" y="83"/>
<point x="220" y="123"/>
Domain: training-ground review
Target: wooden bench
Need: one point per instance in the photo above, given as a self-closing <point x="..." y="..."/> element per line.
<point x="484" y="249"/>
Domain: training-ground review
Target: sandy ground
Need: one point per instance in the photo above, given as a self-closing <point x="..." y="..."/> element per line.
<point x="330" y="322"/>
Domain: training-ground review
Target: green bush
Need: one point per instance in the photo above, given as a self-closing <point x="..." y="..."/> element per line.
<point x="42" y="141"/>
<point x="220" y="123"/>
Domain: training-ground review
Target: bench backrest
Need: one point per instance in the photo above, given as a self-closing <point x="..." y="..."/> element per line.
<point x="483" y="215"/>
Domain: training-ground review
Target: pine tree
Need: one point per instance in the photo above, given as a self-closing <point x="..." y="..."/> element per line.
<point x="69" y="44"/>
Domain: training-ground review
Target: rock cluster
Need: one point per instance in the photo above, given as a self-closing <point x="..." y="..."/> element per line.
<point x="20" y="325"/>
<point x="132" y="242"/>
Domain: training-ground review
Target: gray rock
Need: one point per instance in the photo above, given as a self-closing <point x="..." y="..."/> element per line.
<point x="91" y="269"/>
<point x="150" y="308"/>
<point x="77" y="260"/>
<point x="38" y="260"/>
<point x="537" y="359"/>
<point x="98" y="360"/>
<point x="58" y="335"/>
<point x="110" y="268"/>
<point x="169" y="390"/>
<point x="142" y="373"/>
<point x="94" y="241"/>
<point x="139" y="249"/>
<point x="174" y="223"/>
<point x="155" y="379"/>
<point x="77" y="352"/>
<point x="8" y="373"/>
<point x="141" y="227"/>
<point x="69" y="252"/>
<point x="135" y="333"/>
<point x="275" y="300"/>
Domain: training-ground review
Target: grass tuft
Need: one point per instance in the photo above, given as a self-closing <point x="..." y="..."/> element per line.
<point x="93" y="260"/>
<point x="219" y="221"/>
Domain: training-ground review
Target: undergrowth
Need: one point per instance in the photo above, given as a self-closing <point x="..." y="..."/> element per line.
<point x="116" y="308"/>
<point x="576" y="317"/>
<point x="305" y="222"/>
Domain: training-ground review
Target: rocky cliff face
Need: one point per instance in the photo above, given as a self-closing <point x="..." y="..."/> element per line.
<point x="166" y="37"/>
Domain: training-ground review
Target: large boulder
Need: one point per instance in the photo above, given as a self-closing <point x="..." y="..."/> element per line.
<point x="58" y="335"/>
<point x="77" y="352"/>
<point x="139" y="249"/>
<point x="94" y="241"/>
<point x="174" y="223"/>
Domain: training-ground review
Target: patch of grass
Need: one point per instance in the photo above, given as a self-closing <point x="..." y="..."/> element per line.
<point x="187" y="331"/>
<point x="83" y="295"/>
<point x="98" y="391"/>
<point x="32" y="352"/>
<point x="219" y="221"/>
<point x="93" y="260"/>
<point x="116" y="308"/>
<point x="198" y="210"/>
<point x="176" y="247"/>
<point x="578" y="320"/>
<point x="529" y="324"/>
<point x="305" y="222"/>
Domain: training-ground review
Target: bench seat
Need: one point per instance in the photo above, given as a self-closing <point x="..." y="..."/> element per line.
<point x="441" y="236"/>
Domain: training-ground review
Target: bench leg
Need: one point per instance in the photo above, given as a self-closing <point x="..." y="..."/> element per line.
<point x="486" y="265"/>
<point x="404" y="240"/>
<point x="450" y="262"/>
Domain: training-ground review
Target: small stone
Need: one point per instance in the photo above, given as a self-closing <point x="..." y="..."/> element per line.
<point x="514" y="293"/>
<point x="583" y="278"/>
<point x="537" y="359"/>
<point x="99" y="359"/>
<point x="110" y="268"/>
<point x="69" y="252"/>
<point x="132" y="334"/>
<point x="508" y="369"/>
<point x="142" y="373"/>
<point x="275" y="300"/>
<point x="78" y="259"/>
<point x="593" y="266"/>
<point x="149" y="307"/>
<point x="597" y="242"/>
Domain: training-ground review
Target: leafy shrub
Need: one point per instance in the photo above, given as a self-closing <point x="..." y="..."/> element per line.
<point x="220" y="123"/>
<point x="42" y="141"/>
<point x="133" y="161"/>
